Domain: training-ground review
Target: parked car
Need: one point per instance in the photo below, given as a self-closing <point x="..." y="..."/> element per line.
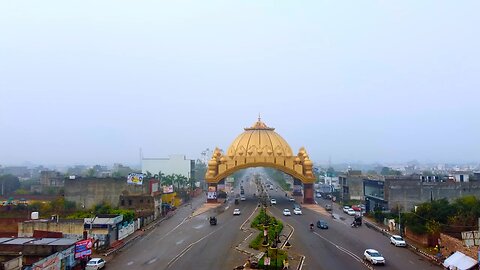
<point x="351" y="212"/>
<point x="273" y="201"/>
<point x="286" y="212"/>
<point x="398" y="241"/>
<point x="373" y="256"/>
<point x="356" y="208"/>
<point x="345" y="209"/>
<point x="322" y="224"/>
<point x="236" y="212"/>
<point x="95" y="264"/>
<point x="328" y="207"/>
<point x="297" y="211"/>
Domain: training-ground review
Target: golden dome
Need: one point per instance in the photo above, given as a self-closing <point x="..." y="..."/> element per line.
<point x="259" y="140"/>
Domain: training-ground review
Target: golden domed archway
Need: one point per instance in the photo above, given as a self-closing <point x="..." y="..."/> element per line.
<point x="260" y="146"/>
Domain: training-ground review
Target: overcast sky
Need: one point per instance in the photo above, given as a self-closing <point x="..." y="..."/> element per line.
<point x="372" y="81"/>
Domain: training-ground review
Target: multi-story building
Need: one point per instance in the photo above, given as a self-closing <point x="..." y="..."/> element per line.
<point x="52" y="179"/>
<point x="351" y="185"/>
<point x="404" y="192"/>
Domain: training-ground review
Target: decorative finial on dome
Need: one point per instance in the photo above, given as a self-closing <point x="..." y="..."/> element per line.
<point x="259" y="125"/>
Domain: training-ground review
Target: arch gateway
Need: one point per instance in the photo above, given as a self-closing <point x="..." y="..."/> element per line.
<point x="261" y="146"/>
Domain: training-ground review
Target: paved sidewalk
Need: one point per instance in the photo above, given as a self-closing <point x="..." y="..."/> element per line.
<point x="194" y="203"/>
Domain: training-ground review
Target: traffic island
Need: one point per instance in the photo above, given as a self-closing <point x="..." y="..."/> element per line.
<point x="268" y="242"/>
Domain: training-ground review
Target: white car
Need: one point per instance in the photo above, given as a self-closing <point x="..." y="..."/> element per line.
<point x="273" y="201"/>
<point x="242" y="198"/>
<point x="236" y="212"/>
<point x="345" y="209"/>
<point x="297" y="211"/>
<point x="318" y="195"/>
<point x="286" y="212"/>
<point x="398" y="241"/>
<point x="291" y="199"/>
<point x="95" y="264"/>
<point x="351" y="212"/>
<point x="373" y="256"/>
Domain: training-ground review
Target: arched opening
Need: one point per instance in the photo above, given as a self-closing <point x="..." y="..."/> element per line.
<point x="260" y="146"/>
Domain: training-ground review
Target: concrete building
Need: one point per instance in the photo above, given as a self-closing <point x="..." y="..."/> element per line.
<point x="175" y="164"/>
<point x="143" y="205"/>
<point x="88" y="192"/>
<point x="351" y="185"/>
<point x="69" y="228"/>
<point x="52" y="179"/>
<point x="407" y="191"/>
<point x="460" y="176"/>
<point x="33" y="250"/>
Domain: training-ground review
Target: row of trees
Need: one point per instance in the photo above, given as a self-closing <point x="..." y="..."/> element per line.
<point x="443" y="216"/>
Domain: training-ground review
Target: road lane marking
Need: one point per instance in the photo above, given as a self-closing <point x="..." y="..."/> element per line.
<point x="152" y="261"/>
<point x="346" y="251"/>
<point x="168" y="233"/>
<point x="185" y="250"/>
<point x="129" y="263"/>
<point x="249" y="217"/>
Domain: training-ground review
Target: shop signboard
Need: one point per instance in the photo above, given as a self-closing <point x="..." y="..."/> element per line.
<point x="83" y="248"/>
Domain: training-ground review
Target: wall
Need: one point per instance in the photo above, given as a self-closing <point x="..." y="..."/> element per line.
<point x="70" y="228"/>
<point x="9" y="226"/>
<point x="87" y="192"/>
<point x="12" y="264"/>
<point x="408" y="193"/>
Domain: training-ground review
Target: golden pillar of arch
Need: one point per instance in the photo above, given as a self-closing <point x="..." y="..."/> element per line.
<point x="261" y="146"/>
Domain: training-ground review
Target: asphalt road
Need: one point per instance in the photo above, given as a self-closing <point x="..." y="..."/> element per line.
<point x="192" y="243"/>
<point x="341" y="246"/>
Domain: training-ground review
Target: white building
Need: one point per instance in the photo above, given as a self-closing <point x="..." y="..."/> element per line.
<point x="461" y="176"/>
<point x="175" y="164"/>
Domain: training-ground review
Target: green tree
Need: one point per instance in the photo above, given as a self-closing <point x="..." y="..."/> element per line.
<point x="8" y="184"/>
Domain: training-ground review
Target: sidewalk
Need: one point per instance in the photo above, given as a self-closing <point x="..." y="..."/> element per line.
<point x="119" y="245"/>
<point x="413" y="246"/>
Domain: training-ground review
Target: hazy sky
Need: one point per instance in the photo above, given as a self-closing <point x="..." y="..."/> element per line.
<point x="93" y="81"/>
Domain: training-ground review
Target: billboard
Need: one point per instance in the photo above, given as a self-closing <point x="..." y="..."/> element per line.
<point x="167" y="189"/>
<point x="135" y="178"/>
<point x="83" y="248"/>
<point x="212" y="192"/>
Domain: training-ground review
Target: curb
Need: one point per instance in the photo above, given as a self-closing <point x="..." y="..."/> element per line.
<point x="409" y="246"/>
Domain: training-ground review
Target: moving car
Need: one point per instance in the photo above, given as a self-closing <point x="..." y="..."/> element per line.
<point x="291" y="199"/>
<point x="318" y="195"/>
<point x="373" y="256"/>
<point x="322" y="224"/>
<point x="351" y="212"/>
<point x="398" y="241"/>
<point x="345" y="208"/>
<point x="242" y="198"/>
<point x="95" y="264"/>
<point x="273" y="201"/>
<point x="236" y="212"/>
<point x="286" y="212"/>
<point x="328" y="207"/>
<point x="297" y="211"/>
<point x="213" y="221"/>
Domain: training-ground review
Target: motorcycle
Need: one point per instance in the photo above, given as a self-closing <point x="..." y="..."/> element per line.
<point x="311" y="227"/>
